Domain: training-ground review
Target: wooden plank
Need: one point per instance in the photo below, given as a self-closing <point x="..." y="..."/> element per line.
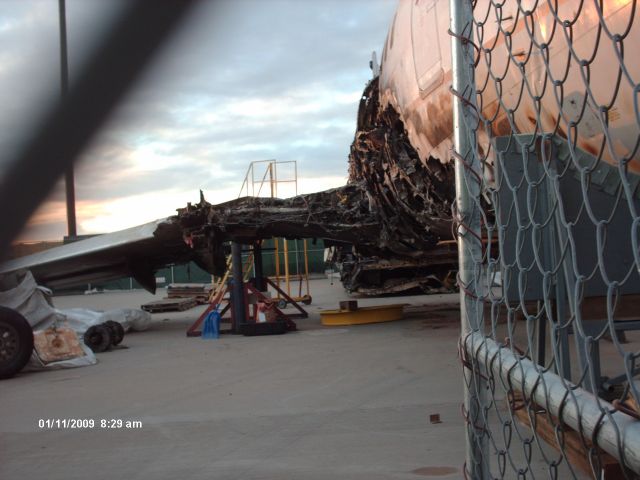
<point x="198" y="291"/>
<point x="572" y="446"/>
<point x="169" y="305"/>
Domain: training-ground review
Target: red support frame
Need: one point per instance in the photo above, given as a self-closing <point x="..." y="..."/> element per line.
<point x="195" y="331"/>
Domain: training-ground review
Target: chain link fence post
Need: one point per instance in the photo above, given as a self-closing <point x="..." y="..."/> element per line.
<point x="547" y="163"/>
<point x="468" y="189"/>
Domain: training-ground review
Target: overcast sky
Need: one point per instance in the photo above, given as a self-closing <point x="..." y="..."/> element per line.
<point x="241" y="81"/>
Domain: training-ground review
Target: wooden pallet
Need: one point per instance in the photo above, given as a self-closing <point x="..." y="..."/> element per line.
<point x="169" y="305"/>
<point x="198" y="291"/>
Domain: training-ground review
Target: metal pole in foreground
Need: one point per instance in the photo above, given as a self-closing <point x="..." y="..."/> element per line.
<point x="468" y="171"/>
<point x="237" y="292"/>
<point x="64" y="87"/>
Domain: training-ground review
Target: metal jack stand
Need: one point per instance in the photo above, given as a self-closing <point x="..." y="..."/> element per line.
<point x="244" y="297"/>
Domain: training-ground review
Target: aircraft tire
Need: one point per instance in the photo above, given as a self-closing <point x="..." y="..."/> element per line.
<point x="98" y="338"/>
<point x="16" y="342"/>
<point x="117" y="331"/>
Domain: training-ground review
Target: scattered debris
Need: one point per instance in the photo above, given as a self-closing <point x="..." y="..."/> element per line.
<point x="56" y="344"/>
<point x="169" y="305"/>
<point x="435" y="418"/>
<point x="349" y="305"/>
<point x="200" y="292"/>
<point x="435" y="471"/>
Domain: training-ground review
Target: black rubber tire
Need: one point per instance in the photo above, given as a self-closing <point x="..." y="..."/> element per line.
<point x="16" y="342"/>
<point x="117" y="331"/>
<point x="98" y="338"/>
<point x="282" y="304"/>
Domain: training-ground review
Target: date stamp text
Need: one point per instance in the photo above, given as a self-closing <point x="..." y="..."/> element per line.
<point x="88" y="423"/>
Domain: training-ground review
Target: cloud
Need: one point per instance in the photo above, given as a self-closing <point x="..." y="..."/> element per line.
<point x="241" y="81"/>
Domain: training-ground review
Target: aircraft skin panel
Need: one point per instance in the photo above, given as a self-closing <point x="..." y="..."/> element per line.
<point x="137" y="252"/>
<point x="88" y="246"/>
<point x="415" y="76"/>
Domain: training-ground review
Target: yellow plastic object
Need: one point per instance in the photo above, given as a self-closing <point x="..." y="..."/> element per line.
<point x="363" y="315"/>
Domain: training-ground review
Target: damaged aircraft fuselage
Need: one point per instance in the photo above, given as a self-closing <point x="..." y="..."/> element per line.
<point x="390" y="225"/>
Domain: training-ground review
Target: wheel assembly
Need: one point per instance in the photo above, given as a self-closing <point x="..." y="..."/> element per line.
<point x="16" y="342"/>
<point x="117" y="331"/>
<point x="98" y="338"/>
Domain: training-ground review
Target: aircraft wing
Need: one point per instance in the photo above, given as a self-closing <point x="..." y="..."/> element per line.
<point x="137" y="252"/>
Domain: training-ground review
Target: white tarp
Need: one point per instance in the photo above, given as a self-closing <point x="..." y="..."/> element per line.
<point x="19" y="291"/>
<point x="80" y="319"/>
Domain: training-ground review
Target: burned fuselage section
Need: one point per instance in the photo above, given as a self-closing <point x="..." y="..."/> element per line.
<point x="389" y="228"/>
<point x="340" y="216"/>
<point x="389" y="225"/>
<point x="412" y="199"/>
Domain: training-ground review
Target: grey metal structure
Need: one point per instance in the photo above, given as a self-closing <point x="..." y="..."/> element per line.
<point x="547" y="138"/>
<point x="137" y="252"/>
<point x="468" y="170"/>
<point x="237" y="290"/>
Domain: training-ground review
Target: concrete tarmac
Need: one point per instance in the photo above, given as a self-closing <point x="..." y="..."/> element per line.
<point x="320" y="403"/>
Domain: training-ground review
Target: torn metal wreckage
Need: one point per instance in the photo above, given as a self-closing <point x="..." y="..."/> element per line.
<point x="389" y="227"/>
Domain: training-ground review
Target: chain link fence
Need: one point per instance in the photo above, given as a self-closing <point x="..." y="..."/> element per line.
<point x="547" y="135"/>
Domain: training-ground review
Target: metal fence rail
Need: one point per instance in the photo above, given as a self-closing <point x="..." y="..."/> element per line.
<point x="547" y="138"/>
